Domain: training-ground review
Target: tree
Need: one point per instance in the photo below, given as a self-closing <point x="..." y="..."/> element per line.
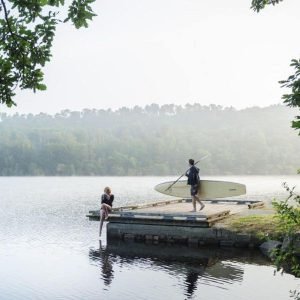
<point x="293" y="82"/>
<point x="27" y="30"/>
<point x="288" y="214"/>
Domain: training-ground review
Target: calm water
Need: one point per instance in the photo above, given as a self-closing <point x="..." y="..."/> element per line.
<point x="49" y="249"/>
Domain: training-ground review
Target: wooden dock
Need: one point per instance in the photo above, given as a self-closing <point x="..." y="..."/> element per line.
<point x="173" y="222"/>
<point x="176" y="212"/>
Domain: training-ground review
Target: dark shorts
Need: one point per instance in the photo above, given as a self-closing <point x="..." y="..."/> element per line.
<point x="194" y="189"/>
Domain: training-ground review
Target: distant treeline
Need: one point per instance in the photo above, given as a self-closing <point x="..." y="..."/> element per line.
<point x="154" y="140"/>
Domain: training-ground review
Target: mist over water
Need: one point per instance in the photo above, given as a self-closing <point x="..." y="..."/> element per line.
<point x="49" y="249"/>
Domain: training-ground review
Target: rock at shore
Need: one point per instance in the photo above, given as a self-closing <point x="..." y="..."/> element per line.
<point x="268" y="248"/>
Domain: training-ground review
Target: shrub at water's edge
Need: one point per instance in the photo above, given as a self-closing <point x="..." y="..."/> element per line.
<point x="283" y="225"/>
<point x="288" y="214"/>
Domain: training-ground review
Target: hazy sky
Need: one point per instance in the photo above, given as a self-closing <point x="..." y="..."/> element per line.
<point x="137" y="52"/>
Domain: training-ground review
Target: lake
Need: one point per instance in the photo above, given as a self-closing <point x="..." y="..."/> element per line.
<point x="50" y="250"/>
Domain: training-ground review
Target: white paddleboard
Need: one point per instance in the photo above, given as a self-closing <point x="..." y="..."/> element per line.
<point x="209" y="189"/>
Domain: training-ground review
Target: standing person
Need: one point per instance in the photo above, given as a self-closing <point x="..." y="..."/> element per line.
<point x="194" y="181"/>
<point x="106" y="205"/>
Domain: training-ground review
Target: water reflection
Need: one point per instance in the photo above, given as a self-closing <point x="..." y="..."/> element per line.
<point x="105" y="259"/>
<point x="191" y="282"/>
<point x="192" y="266"/>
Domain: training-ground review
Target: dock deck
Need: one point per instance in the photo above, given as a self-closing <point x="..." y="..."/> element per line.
<point x="177" y="212"/>
<point x="173" y="221"/>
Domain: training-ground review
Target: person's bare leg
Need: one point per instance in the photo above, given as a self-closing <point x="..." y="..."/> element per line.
<point x="194" y="203"/>
<point x="101" y="221"/>
<point x="107" y="209"/>
<point x="200" y="202"/>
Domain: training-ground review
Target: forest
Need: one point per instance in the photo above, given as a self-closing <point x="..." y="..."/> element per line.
<point x="150" y="140"/>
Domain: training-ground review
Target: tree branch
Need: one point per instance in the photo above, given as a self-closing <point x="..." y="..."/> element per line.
<point x="8" y="24"/>
<point x="6" y="17"/>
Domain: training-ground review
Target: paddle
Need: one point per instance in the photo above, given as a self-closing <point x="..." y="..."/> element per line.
<point x="185" y="172"/>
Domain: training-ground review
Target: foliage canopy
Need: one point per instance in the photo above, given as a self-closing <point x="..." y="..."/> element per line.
<point x="27" y="29"/>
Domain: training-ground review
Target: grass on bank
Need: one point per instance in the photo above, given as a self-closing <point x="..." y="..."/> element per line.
<point x="261" y="226"/>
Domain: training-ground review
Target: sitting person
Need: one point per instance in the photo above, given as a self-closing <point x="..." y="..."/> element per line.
<point x="106" y="206"/>
<point x="106" y="201"/>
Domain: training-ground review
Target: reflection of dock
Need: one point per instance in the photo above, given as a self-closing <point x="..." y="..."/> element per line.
<point x="193" y="265"/>
<point x="172" y="221"/>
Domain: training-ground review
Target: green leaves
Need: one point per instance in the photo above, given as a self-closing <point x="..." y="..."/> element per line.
<point x="80" y="12"/>
<point x="27" y="30"/>
<point x="288" y="211"/>
<point x="288" y="214"/>
<point x="293" y="83"/>
<point x="258" y="5"/>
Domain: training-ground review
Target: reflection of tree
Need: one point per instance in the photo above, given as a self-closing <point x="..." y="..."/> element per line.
<point x="105" y="259"/>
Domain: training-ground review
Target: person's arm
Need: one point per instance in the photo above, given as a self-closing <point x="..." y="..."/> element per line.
<point x="112" y="197"/>
<point x="104" y="199"/>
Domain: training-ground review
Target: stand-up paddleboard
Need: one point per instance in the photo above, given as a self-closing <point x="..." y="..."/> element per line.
<point x="209" y="189"/>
